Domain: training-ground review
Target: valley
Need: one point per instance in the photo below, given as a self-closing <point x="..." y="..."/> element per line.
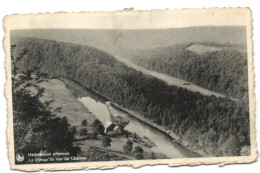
<point x="163" y="107"/>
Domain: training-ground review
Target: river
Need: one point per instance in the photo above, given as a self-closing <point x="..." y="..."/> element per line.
<point x="164" y="144"/>
<point x="170" y="80"/>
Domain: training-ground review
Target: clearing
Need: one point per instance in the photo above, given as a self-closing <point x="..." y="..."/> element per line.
<point x="200" y="49"/>
<point x="70" y="106"/>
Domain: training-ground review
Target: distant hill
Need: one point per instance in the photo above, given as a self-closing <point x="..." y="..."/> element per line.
<point x="126" y="41"/>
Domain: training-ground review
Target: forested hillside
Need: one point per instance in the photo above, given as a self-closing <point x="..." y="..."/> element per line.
<point x="223" y="70"/>
<point x="36" y="126"/>
<point x="214" y="126"/>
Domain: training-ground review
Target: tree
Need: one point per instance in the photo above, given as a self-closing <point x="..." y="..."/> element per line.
<point x="100" y="129"/>
<point x="231" y="147"/>
<point x="84" y="122"/>
<point x="96" y="122"/>
<point x="139" y="156"/>
<point x="93" y="135"/>
<point x="138" y="149"/>
<point x="128" y="146"/>
<point x="73" y="130"/>
<point x="106" y="142"/>
<point x="119" y="131"/>
<point x="83" y="132"/>
<point x="36" y="126"/>
<point x="120" y="121"/>
<point x="139" y="153"/>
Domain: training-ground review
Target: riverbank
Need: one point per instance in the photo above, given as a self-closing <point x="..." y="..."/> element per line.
<point x="146" y="121"/>
<point x="162" y="129"/>
<point x="170" y="80"/>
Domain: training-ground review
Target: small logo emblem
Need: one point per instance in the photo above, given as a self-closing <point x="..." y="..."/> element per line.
<point x="19" y="157"/>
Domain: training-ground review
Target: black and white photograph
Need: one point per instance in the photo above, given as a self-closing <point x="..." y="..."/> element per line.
<point x="141" y="94"/>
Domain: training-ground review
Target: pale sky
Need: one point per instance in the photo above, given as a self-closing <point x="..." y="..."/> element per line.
<point x="154" y="19"/>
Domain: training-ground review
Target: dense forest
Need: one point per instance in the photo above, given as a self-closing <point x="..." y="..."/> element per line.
<point x="223" y="70"/>
<point x="211" y="125"/>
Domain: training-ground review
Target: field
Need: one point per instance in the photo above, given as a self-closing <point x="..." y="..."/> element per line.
<point x="70" y="106"/>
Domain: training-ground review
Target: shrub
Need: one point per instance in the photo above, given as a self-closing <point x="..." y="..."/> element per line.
<point x="96" y="122"/>
<point x="128" y="147"/>
<point x="119" y="131"/>
<point x="83" y="132"/>
<point x="100" y="129"/>
<point x="93" y="135"/>
<point x="138" y="149"/>
<point x="106" y="142"/>
<point x="150" y="155"/>
<point x="139" y="156"/>
<point x="84" y="122"/>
